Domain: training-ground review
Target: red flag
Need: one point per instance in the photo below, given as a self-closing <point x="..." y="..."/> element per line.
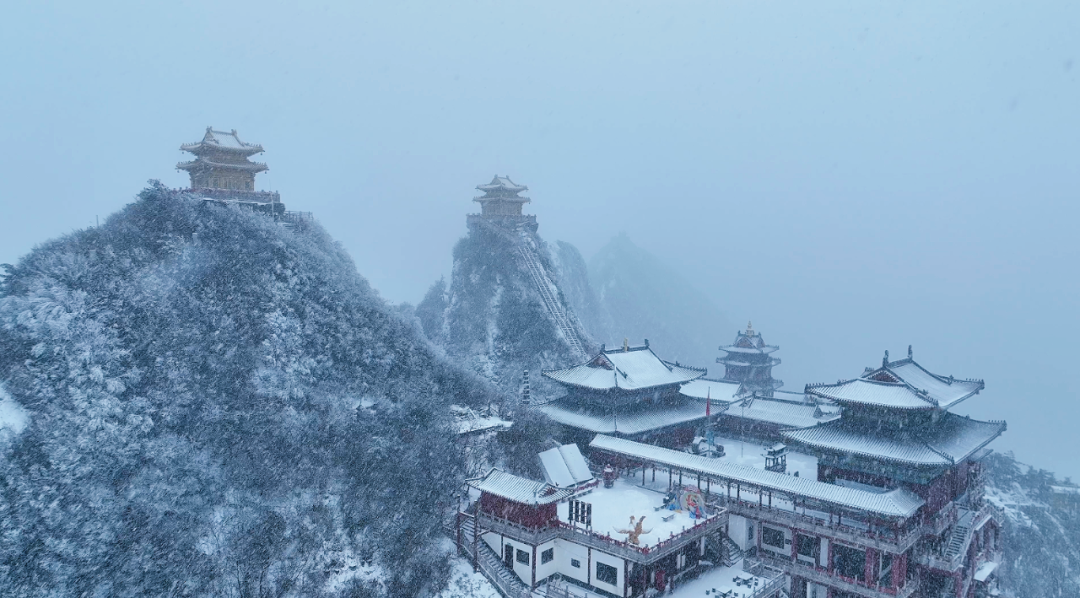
<point x="708" y="401"/>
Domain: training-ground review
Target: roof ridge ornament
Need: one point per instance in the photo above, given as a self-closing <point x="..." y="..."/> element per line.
<point x="885" y="360"/>
<point x="909" y="353"/>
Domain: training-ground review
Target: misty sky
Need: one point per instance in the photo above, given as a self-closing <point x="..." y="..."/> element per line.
<point x="853" y="177"/>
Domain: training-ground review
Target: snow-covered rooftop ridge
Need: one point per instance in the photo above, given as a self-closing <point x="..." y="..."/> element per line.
<point x="749" y="341"/>
<point x="949" y="441"/>
<point x="227" y="140"/>
<point x="783" y="413"/>
<point x="629" y="421"/>
<point x="898" y="503"/>
<point x="629" y="368"/>
<point x="565" y="466"/>
<point x="517" y="488"/>
<point x="501" y="186"/>
<point x="718" y="390"/>
<point x="901" y="384"/>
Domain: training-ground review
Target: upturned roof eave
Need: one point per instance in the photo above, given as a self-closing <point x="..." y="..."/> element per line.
<point x="202" y="146"/>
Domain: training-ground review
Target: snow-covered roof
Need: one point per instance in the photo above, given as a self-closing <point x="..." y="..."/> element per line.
<point x="635" y="368"/>
<point x="949" y="441"/>
<point x="501" y="187"/>
<point x="467" y="421"/>
<point x="628" y="421"/>
<point x="902" y="384"/>
<point x="517" y="488"/>
<point x="202" y="162"/>
<point x="225" y="140"/>
<point x="945" y="391"/>
<point x="984" y="570"/>
<point x="749" y="342"/>
<point x="782" y="413"/>
<point x="718" y="390"/>
<point x="898" y="503"/>
<point x="565" y="466"/>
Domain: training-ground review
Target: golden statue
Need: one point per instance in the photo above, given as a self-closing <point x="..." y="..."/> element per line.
<point x="635" y="531"/>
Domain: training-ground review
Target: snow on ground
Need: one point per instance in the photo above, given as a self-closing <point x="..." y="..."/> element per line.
<point x="716" y="581"/>
<point x="12" y="415"/>
<point x="753" y="454"/>
<point x="612" y="508"/>
<point x="466" y="583"/>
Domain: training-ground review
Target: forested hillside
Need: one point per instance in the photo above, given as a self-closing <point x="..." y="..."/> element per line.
<point x="1042" y="539"/>
<point x="206" y="403"/>
<point x="491" y="318"/>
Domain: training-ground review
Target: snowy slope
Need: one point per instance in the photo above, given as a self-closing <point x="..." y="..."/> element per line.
<point x="494" y="321"/>
<point x="1042" y="540"/>
<point x="214" y="405"/>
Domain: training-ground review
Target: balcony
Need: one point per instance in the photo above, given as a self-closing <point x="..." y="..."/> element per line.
<point x="895" y="543"/>
<point x="605" y="543"/>
<point x="822" y="577"/>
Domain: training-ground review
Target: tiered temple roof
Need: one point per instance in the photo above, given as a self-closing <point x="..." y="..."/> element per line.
<point x="627" y="420"/>
<point x="221" y="162"/>
<point x="902" y="384"/>
<point x="629" y="368"/>
<point x="749" y="362"/>
<point x="947" y="442"/>
<point x="222" y="141"/>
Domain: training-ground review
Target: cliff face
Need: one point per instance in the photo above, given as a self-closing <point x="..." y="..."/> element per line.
<point x="644" y="298"/>
<point x="209" y="404"/>
<point x="494" y="320"/>
<point x="1042" y="536"/>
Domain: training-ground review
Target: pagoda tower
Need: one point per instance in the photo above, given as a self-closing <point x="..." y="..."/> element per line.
<point x="221" y="162"/>
<point x="749" y="362"/>
<point x="502" y="204"/>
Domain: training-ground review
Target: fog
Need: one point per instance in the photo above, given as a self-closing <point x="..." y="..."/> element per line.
<point x="852" y="177"/>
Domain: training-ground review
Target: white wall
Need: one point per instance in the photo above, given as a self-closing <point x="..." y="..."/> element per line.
<point x="737" y="530"/>
<point x="551" y="567"/>
<point x="814" y="590"/>
<point x="564" y="552"/>
<point x="823" y="558"/>
<point x="614" y="561"/>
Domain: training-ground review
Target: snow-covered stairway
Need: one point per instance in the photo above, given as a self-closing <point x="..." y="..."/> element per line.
<point x="732" y="553"/>
<point x="527" y="254"/>
<point x="958" y="539"/>
<point x="490" y="564"/>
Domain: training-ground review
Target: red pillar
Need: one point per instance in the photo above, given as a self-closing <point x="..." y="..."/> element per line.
<point x="899" y="570"/>
<point x="870" y="572"/>
<point x="794" y="545"/>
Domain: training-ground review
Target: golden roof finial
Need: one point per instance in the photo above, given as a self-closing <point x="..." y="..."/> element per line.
<point x="625" y="345"/>
<point x="749" y="328"/>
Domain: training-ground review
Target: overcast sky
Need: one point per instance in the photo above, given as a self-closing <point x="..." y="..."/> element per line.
<point x="853" y="177"/>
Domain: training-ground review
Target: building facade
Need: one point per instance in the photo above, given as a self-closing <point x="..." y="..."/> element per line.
<point x="629" y="392"/>
<point x="221" y="162"/>
<point x="749" y="362"/>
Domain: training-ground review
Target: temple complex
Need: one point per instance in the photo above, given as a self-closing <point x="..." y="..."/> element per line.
<point x="874" y="490"/>
<point x="749" y="362"/>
